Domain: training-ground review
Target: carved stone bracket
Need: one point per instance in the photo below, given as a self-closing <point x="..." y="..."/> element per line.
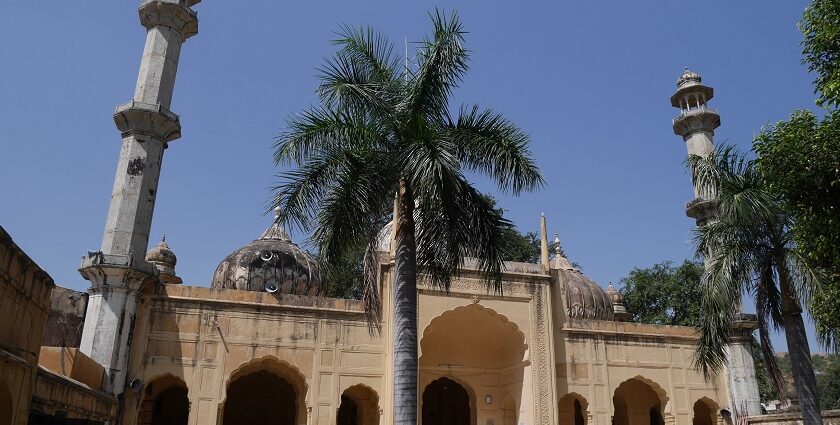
<point x="172" y="14"/>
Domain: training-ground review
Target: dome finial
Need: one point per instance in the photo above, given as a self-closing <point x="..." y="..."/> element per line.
<point x="163" y="239"/>
<point x="277" y="213"/>
<point x="557" y="249"/>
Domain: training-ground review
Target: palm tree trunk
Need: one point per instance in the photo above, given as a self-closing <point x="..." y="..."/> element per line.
<point x="798" y="350"/>
<point x="405" y="313"/>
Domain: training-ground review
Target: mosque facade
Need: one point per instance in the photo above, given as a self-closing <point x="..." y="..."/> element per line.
<point x="264" y="344"/>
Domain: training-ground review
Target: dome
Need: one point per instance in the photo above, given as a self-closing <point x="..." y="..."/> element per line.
<point x="271" y="263"/>
<point x="162" y="257"/>
<point x="619" y="309"/>
<point x="615" y="296"/>
<point x="585" y="299"/>
<point x="688" y="78"/>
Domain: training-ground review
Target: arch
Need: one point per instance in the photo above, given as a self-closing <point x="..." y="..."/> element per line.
<point x="704" y="412"/>
<point x="7" y="404"/>
<point x="506" y="335"/>
<point x="165" y="401"/>
<point x="573" y="409"/>
<point x="447" y="402"/>
<point x="639" y="401"/>
<point x="359" y="406"/>
<point x="263" y="388"/>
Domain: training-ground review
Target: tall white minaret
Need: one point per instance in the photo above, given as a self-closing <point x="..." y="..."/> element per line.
<point x="118" y="271"/>
<point x="696" y="123"/>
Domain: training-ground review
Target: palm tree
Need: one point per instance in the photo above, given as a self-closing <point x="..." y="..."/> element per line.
<point x="749" y="249"/>
<point x="384" y="129"/>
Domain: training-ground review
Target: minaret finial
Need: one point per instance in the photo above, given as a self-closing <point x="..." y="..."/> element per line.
<point x="557" y="249"/>
<point x="277" y="213"/>
<point x="163" y="239"/>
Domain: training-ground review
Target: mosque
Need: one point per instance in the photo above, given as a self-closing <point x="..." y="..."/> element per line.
<point x="264" y="344"/>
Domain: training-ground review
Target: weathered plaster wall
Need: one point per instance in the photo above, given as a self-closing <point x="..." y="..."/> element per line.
<point x="207" y="338"/>
<point x="24" y="301"/>
<point x="830" y="417"/>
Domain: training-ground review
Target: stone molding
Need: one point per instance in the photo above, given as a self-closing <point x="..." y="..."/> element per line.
<point x="105" y="278"/>
<point x="147" y="119"/>
<point x="694" y="120"/>
<point x="173" y="14"/>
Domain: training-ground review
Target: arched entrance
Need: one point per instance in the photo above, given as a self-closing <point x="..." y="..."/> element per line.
<point x="260" y="398"/>
<point x="572" y="409"/>
<point x="165" y="402"/>
<point x="359" y="406"/>
<point x="705" y="412"/>
<point x="469" y="346"/>
<point x="636" y="402"/>
<point x="265" y="391"/>
<point x="6" y="405"/>
<point x="446" y="402"/>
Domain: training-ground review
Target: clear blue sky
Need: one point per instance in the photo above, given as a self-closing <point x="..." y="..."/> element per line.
<point x="589" y="81"/>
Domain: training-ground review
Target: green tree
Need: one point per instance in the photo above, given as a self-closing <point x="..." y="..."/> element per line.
<point x="751" y="250"/>
<point x="799" y="159"/>
<point x="383" y="129"/>
<point x="665" y="294"/>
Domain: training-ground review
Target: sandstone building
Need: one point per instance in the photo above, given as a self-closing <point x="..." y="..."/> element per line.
<point x="263" y="344"/>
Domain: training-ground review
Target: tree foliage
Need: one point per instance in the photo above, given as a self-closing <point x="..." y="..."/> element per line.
<point x="821" y="47"/>
<point x="750" y="250"/>
<point x="664" y="294"/>
<point x="800" y="160"/>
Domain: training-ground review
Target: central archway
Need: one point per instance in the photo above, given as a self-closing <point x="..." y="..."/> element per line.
<point x="265" y="391"/>
<point x="260" y="398"/>
<point x="446" y="402"/>
<point x="639" y="401"/>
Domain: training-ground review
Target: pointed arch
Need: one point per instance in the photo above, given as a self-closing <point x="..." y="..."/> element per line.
<point x="639" y="400"/>
<point x="704" y="412"/>
<point x="165" y="400"/>
<point x="283" y="383"/>
<point x="359" y="405"/>
<point x="573" y="409"/>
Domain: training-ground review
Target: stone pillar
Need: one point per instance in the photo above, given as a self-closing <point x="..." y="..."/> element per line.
<point x="118" y="271"/>
<point x="696" y="123"/>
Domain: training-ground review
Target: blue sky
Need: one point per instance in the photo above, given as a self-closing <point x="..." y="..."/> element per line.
<point x="589" y="81"/>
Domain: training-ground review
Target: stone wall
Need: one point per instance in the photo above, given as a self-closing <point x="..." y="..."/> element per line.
<point x="66" y="318"/>
<point x="830" y="417"/>
<point x="24" y="302"/>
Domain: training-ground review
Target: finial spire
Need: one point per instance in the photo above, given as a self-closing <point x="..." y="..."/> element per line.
<point x="277" y="213"/>
<point x="163" y="239"/>
<point x="543" y="243"/>
<point x="557" y="249"/>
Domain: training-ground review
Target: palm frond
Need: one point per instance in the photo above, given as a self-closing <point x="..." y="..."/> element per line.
<point x="442" y="65"/>
<point x="490" y="143"/>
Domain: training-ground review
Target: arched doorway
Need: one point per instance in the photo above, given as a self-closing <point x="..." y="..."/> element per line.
<point x="446" y="402"/>
<point x="636" y="402"/>
<point x="705" y="412"/>
<point x="572" y="409"/>
<point x="472" y="345"/>
<point x="359" y="406"/>
<point x="165" y="402"/>
<point x="6" y="405"/>
<point x="260" y="398"/>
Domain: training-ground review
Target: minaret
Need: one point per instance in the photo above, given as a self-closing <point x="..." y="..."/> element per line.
<point x="118" y="271"/>
<point x="696" y="123"/>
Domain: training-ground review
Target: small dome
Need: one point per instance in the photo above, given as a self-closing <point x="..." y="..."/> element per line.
<point x="688" y="78"/>
<point x="271" y="263"/>
<point x="615" y="296"/>
<point x="162" y="256"/>
<point x="585" y="299"/>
